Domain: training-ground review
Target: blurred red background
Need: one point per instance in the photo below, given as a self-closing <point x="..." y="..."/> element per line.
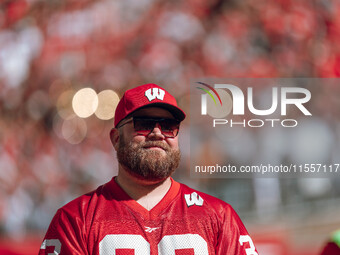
<point x="50" y="50"/>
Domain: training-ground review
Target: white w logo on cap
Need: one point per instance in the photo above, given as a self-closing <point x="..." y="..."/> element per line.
<point x="154" y="93"/>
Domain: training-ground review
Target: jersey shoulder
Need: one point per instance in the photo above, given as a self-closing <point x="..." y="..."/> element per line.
<point x="216" y="208"/>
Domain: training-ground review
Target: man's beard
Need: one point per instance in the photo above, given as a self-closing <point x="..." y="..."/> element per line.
<point x="148" y="164"/>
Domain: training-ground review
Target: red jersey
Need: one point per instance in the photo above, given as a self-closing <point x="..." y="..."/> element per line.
<point x="184" y="222"/>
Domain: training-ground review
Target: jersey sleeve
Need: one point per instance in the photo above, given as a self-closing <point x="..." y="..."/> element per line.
<point x="233" y="237"/>
<point x="65" y="235"/>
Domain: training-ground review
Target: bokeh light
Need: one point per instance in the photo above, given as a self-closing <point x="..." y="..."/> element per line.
<point x="85" y="102"/>
<point x="107" y="103"/>
<point x="74" y="129"/>
<point x="64" y="104"/>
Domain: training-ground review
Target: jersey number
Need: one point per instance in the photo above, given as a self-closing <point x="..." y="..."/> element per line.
<point x="246" y="239"/>
<point x="51" y="243"/>
<point x="168" y="245"/>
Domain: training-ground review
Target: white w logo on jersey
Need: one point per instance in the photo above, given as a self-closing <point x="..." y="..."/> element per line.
<point x="155" y="93"/>
<point x="193" y="199"/>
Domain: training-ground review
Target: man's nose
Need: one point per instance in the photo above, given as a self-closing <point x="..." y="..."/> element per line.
<point x="157" y="132"/>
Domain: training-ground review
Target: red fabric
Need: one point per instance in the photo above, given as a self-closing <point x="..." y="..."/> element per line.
<point x="136" y="98"/>
<point x="8" y="252"/>
<point x="109" y="217"/>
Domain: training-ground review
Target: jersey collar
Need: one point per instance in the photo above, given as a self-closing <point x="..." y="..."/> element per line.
<point x="120" y="195"/>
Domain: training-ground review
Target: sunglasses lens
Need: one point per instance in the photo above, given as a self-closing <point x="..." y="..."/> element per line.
<point x="169" y="127"/>
<point x="144" y="126"/>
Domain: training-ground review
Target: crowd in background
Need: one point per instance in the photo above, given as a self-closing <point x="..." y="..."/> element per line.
<point x="49" y="48"/>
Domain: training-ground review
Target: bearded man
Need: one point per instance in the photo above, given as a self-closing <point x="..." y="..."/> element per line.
<point x="142" y="210"/>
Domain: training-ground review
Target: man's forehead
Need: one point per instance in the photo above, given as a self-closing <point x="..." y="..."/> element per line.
<point x="154" y="112"/>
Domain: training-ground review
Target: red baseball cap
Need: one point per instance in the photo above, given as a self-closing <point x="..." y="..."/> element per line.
<point x="144" y="96"/>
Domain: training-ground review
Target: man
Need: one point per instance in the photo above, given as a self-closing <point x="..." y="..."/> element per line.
<point x="143" y="210"/>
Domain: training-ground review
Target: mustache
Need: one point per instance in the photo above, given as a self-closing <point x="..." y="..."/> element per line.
<point x="159" y="144"/>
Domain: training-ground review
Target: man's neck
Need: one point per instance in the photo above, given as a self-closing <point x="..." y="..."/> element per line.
<point x="148" y="194"/>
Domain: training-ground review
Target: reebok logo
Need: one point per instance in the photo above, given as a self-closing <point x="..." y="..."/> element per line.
<point x="154" y="93"/>
<point x="149" y="230"/>
<point x="193" y="199"/>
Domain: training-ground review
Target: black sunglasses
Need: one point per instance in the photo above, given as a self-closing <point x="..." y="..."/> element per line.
<point x="145" y="125"/>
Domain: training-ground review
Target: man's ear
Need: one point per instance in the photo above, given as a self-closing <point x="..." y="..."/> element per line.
<point x="114" y="137"/>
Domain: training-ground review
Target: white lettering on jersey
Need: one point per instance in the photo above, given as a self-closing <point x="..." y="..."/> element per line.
<point x="51" y="242"/>
<point x="149" y="230"/>
<point x="246" y="239"/>
<point x="169" y="244"/>
<point x="111" y="243"/>
<point x="156" y="93"/>
<point x="193" y="199"/>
